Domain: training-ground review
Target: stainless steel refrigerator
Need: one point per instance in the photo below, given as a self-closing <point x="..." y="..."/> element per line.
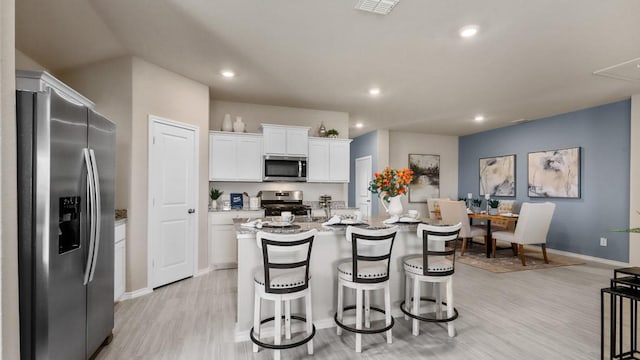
<point x="66" y="171"/>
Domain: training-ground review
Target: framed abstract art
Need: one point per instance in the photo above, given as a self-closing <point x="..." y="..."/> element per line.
<point x="426" y="177"/>
<point x="498" y="176"/>
<point x="554" y="173"/>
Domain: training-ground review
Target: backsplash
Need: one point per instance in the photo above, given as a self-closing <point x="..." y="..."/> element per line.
<point x="311" y="191"/>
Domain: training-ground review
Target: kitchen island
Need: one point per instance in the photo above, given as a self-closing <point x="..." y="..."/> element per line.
<point x="329" y="248"/>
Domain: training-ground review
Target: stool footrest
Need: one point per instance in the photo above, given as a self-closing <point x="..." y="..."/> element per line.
<point x="428" y="319"/>
<point x="283" y="346"/>
<point x="363" y="331"/>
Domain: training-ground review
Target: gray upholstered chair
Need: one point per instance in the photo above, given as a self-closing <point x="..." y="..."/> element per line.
<point x="454" y="212"/>
<point x="532" y="228"/>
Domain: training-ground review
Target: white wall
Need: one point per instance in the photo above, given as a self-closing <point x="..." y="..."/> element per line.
<point x="25" y="62"/>
<point x="401" y="144"/>
<point x="9" y="334"/>
<point x="254" y="114"/>
<point x="634" y="191"/>
<point x="162" y="93"/>
<point x="109" y="85"/>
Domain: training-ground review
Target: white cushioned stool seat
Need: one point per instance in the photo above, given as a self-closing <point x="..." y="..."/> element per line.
<point x="366" y="270"/>
<point x="283" y="280"/>
<point x="413" y="264"/>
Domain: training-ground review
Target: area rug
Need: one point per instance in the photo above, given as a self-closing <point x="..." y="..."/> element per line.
<point x="505" y="262"/>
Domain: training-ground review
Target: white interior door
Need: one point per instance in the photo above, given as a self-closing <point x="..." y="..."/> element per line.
<point x="363" y="178"/>
<point x="173" y="187"/>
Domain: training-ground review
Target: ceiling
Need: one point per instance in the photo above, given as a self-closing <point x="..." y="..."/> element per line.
<point x="531" y="59"/>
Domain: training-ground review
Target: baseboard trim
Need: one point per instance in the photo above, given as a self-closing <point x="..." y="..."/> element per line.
<point x="589" y="258"/>
<point x="327" y="323"/>
<point x="203" y="271"/>
<point x="135" y="294"/>
<point x="221" y="266"/>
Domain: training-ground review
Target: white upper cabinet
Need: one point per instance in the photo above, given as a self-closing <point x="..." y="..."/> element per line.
<point x="235" y="157"/>
<point x="285" y="140"/>
<point x="328" y="160"/>
<point x="318" y="161"/>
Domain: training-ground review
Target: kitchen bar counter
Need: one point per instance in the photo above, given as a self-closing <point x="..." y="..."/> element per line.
<point x="329" y="247"/>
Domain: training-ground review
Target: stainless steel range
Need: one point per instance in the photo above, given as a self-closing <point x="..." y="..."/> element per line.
<point x="275" y="202"/>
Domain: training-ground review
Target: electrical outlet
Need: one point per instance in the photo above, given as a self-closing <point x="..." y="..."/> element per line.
<point x="603" y="241"/>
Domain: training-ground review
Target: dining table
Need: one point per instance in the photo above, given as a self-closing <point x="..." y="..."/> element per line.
<point x="488" y="218"/>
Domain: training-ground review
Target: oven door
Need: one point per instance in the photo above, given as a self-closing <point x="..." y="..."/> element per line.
<point x="285" y="169"/>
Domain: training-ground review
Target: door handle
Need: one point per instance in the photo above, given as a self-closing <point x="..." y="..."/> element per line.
<point x="191" y="211"/>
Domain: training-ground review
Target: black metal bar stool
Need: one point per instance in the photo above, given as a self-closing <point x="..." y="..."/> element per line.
<point x="283" y="277"/>
<point x="368" y="269"/>
<point x="435" y="265"/>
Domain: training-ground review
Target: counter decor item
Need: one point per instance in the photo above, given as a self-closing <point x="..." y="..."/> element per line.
<point x="214" y="195"/>
<point x="322" y="132"/>
<point x="236" y="200"/>
<point x="238" y="126"/>
<point x="227" y="125"/>
<point x="332" y="133"/>
<point x="390" y="185"/>
<point x="493" y="206"/>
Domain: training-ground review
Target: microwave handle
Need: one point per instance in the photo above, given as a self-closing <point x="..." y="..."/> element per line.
<point x="299" y="168"/>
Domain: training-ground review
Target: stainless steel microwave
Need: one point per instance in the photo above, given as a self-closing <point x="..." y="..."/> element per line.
<point x="285" y="168"/>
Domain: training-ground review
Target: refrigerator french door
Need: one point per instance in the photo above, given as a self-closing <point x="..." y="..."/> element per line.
<point x="66" y="222"/>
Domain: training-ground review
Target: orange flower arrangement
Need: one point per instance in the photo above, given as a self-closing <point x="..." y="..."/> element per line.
<point x="391" y="182"/>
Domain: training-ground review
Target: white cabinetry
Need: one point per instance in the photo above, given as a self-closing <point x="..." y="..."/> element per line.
<point x="285" y="140"/>
<point x="235" y="157"/>
<point x="223" y="253"/>
<point x="328" y="160"/>
<point x="119" y="261"/>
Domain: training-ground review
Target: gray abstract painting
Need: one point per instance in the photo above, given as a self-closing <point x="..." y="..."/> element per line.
<point x="426" y="177"/>
<point x="498" y="176"/>
<point x="555" y="173"/>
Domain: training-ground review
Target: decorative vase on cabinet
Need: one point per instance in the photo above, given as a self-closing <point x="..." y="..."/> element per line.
<point x="227" y="125"/>
<point x="238" y="126"/>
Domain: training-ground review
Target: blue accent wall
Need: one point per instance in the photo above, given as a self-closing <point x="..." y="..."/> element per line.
<point x="603" y="134"/>
<point x="363" y="145"/>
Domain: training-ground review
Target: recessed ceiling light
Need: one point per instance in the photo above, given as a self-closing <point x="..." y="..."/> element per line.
<point x="227" y="73"/>
<point x="479" y="118"/>
<point x="468" y="31"/>
<point x="359" y="125"/>
<point x="374" y="91"/>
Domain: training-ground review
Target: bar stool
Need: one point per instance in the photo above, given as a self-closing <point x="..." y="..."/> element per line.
<point x="283" y="277"/>
<point x="435" y="265"/>
<point x="368" y="269"/>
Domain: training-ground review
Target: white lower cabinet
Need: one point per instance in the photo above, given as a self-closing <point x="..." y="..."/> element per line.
<point x="119" y="261"/>
<point x="223" y="245"/>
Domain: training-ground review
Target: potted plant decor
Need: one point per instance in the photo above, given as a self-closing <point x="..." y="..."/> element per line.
<point x="214" y="194"/>
<point x="493" y="206"/>
<point x="476" y="203"/>
<point x="332" y="133"/>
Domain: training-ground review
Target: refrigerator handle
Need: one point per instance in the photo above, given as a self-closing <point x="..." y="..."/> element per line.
<point x="96" y="181"/>
<point x="92" y="213"/>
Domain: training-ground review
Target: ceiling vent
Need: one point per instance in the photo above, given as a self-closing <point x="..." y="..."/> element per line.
<point x="628" y="70"/>
<point x="382" y="7"/>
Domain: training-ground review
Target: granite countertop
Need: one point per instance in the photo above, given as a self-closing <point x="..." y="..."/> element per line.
<point x="234" y="210"/>
<point x="244" y="232"/>
<point x="120" y="216"/>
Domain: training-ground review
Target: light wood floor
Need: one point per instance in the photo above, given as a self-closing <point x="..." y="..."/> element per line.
<point x="537" y="314"/>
